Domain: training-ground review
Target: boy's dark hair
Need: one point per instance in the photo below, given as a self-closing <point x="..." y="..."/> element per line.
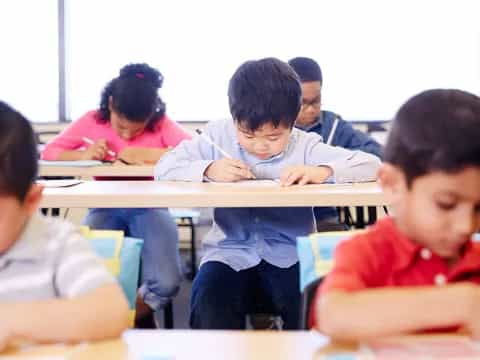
<point x="307" y="69"/>
<point x="18" y="153"/>
<point x="264" y="91"/>
<point x="436" y="130"/>
<point x="134" y="95"/>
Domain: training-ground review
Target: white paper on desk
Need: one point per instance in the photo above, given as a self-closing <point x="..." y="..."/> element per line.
<point x="145" y="344"/>
<point x="76" y="163"/>
<point x="59" y="183"/>
<point x="454" y="347"/>
<point x="252" y="183"/>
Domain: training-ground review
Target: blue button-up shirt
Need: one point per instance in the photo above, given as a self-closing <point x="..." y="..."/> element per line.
<point x="242" y="237"/>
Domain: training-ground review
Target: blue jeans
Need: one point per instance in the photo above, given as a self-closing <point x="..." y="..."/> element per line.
<point x="222" y="297"/>
<point x="161" y="272"/>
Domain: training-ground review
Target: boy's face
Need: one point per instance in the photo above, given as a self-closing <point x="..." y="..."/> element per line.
<point x="14" y="215"/>
<point x="265" y="142"/>
<point x="440" y="210"/>
<point x="311" y="102"/>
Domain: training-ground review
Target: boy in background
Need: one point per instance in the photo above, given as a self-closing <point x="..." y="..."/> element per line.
<point x="53" y="286"/>
<point x="334" y="130"/>
<point x="420" y="269"/>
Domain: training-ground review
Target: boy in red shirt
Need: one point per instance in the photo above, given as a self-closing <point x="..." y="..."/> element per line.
<point x="420" y="269"/>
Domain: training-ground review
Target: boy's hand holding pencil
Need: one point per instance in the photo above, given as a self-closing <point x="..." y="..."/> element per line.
<point x="227" y="169"/>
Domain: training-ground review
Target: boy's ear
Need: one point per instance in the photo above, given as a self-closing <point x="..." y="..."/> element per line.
<point x="32" y="199"/>
<point x="393" y="182"/>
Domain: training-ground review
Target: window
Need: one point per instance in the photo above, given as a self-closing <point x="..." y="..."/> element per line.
<point x="29" y="57"/>
<point x="374" y="54"/>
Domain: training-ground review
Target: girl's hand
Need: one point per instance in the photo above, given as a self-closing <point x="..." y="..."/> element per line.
<point x="96" y="151"/>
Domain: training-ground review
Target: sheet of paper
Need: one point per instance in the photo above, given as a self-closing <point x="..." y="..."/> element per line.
<point x="252" y="183"/>
<point x="423" y="348"/>
<point x="59" y="183"/>
<point x="76" y="163"/>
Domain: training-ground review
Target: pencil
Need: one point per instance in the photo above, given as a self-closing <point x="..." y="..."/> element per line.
<point x="207" y="139"/>
<point x="91" y="142"/>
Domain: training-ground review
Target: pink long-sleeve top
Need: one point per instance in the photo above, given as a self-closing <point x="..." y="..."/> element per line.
<point x="166" y="133"/>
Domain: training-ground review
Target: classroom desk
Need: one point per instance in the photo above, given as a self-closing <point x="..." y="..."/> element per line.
<point x="194" y="345"/>
<point x="236" y="345"/>
<point x="90" y="171"/>
<point x="151" y="194"/>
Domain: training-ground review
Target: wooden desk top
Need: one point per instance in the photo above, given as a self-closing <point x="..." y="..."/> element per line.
<point x="91" y="171"/>
<point x="151" y="194"/>
<point x="239" y="345"/>
<point x="193" y="344"/>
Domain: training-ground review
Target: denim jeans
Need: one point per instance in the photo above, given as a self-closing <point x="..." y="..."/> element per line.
<point x="222" y="297"/>
<point x="161" y="271"/>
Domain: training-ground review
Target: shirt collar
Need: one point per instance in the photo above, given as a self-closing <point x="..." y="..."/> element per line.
<point x="407" y="251"/>
<point x="29" y="245"/>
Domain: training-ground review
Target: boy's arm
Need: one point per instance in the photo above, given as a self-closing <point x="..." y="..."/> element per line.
<point x="348" y="137"/>
<point x="352" y="303"/>
<point x="89" y="305"/>
<point x="186" y="162"/>
<point x="377" y="312"/>
<point x="348" y="166"/>
<point x="99" y="314"/>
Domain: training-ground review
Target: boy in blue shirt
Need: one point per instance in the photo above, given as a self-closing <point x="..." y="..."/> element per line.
<point x="334" y="130"/>
<point x="326" y="123"/>
<point x="252" y="250"/>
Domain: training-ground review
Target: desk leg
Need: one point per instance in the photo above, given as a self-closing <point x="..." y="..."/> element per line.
<point x="53" y="211"/>
<point x="168" y="315"/>
<point x="360" y="217"/>
<point x="372" y="215"/>
<point x="193" y="249"/>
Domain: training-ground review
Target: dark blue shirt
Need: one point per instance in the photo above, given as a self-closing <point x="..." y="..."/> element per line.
<point x="344" y="135"/>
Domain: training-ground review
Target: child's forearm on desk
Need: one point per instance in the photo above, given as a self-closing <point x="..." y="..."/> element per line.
<point x="376" y="312"/>
<point x="101" y="314"/>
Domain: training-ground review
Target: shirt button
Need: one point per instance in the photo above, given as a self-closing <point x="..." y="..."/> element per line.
<point x="257" y="237"/>
<point x="257" y="220"/>
<point x="440" y="279"/>
<point x="425" y="254"/>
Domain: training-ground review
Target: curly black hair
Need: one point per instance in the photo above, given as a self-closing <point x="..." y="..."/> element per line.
<point x="134" y="95"/>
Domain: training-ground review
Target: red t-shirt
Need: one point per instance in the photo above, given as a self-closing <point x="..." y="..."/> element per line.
<point x="384" y="257"/>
